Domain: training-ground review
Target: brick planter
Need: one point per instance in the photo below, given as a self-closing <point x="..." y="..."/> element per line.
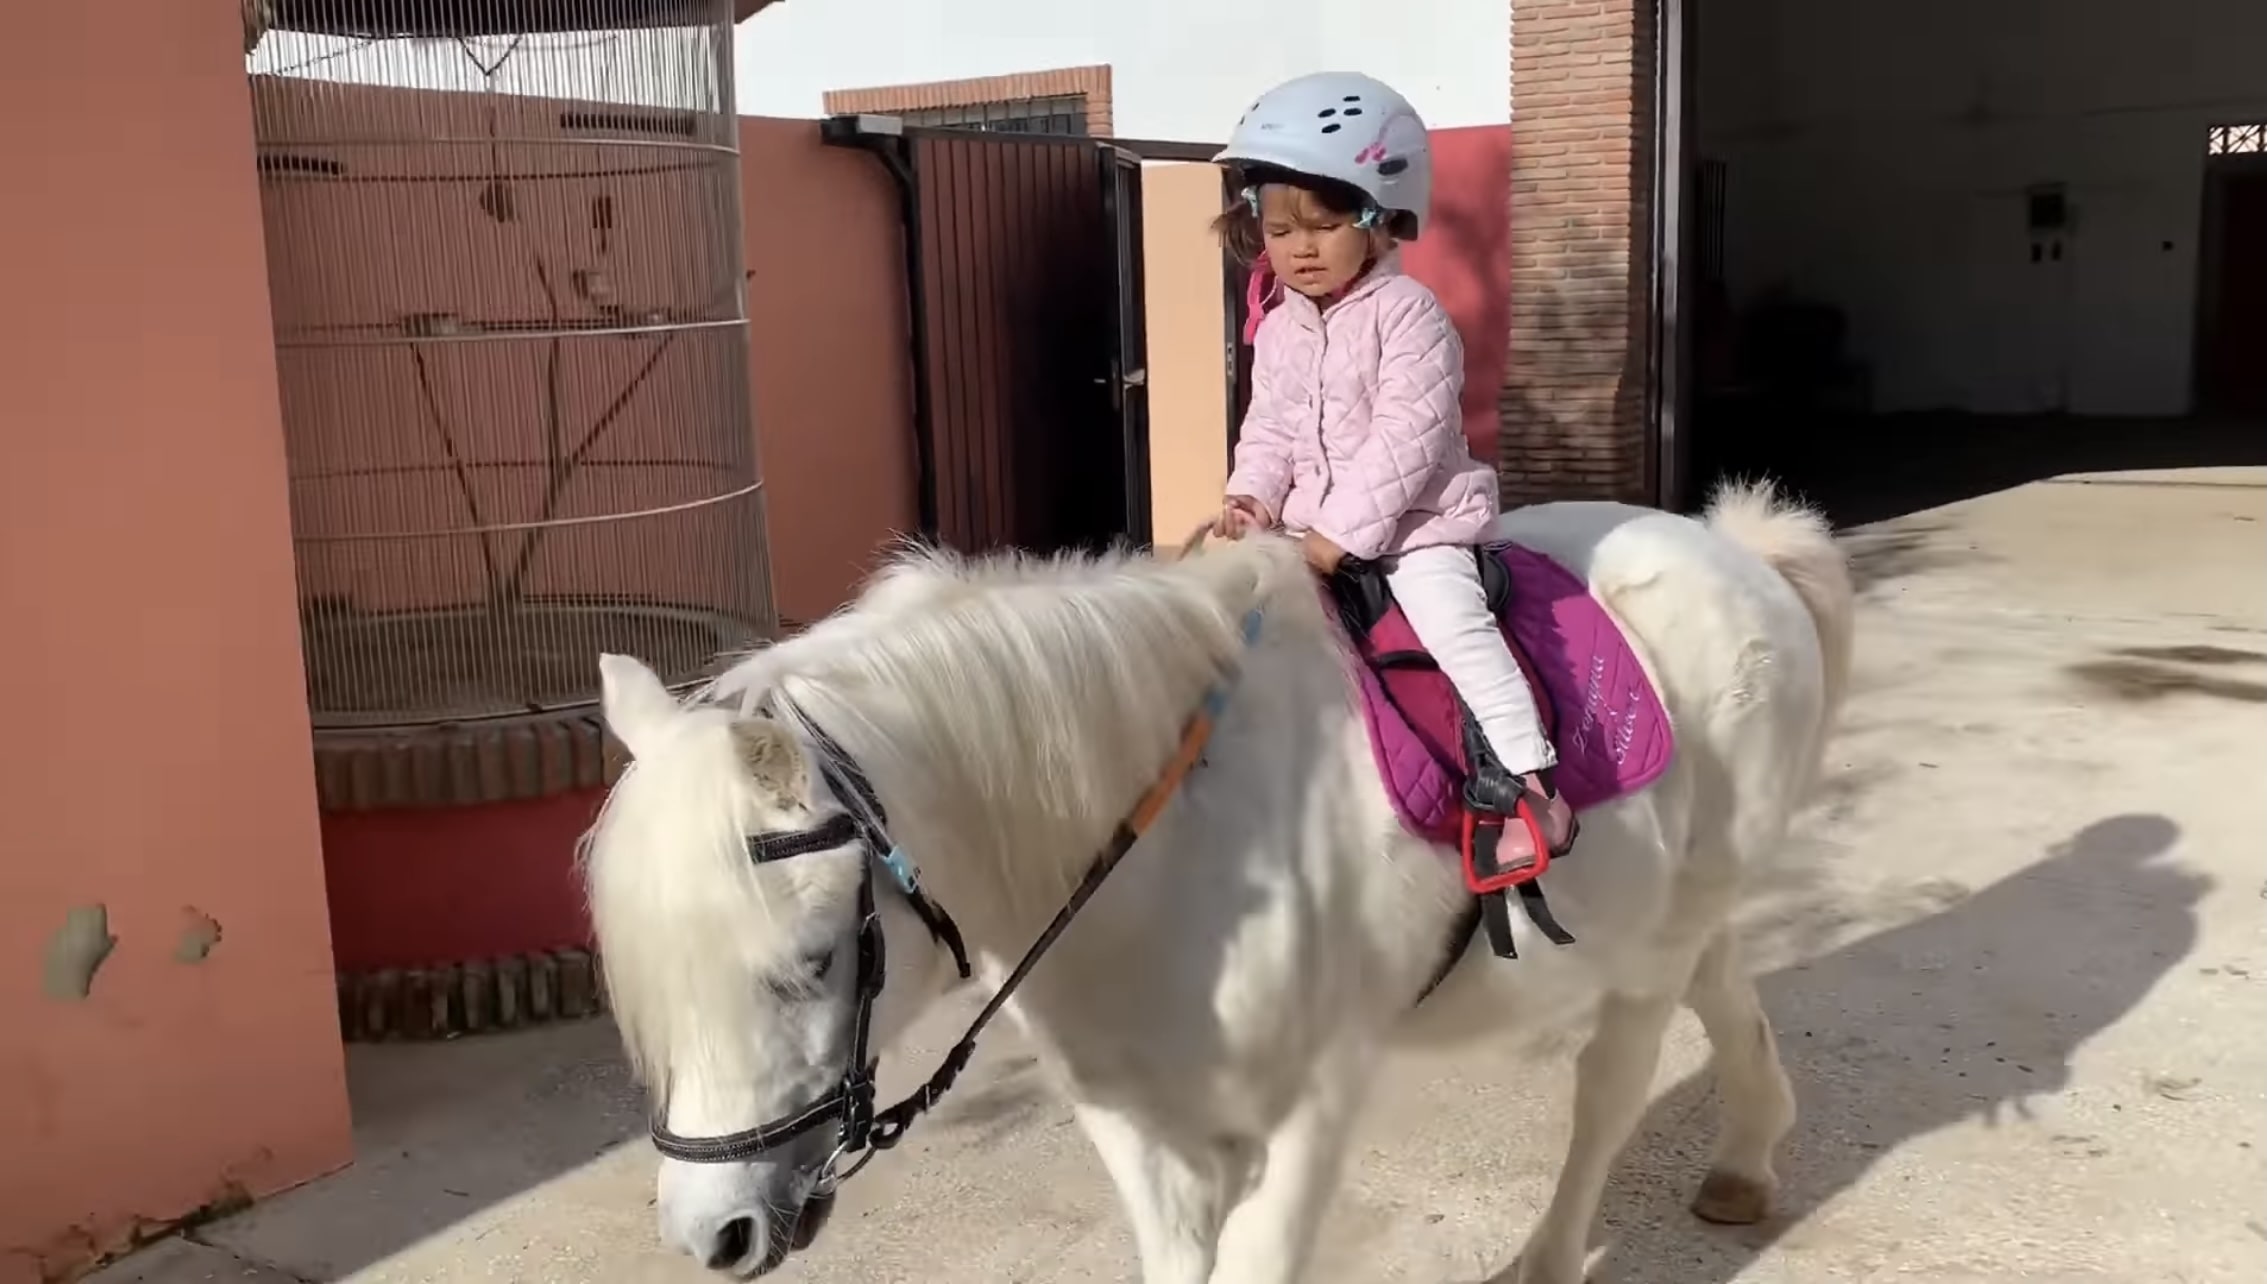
<point x="508" y="993"/>
<point x="449" y="855"/>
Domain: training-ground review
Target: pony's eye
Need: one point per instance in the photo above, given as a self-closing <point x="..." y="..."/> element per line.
<point x="802" y="982"/>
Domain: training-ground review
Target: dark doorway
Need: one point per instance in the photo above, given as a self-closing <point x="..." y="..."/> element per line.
<point x="1023" y="261"/>
<point x="2231" y="323"/>
<point x="1889" y="304"/>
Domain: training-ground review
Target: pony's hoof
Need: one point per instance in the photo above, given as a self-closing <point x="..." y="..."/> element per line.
<point x="1728" y="1199"/>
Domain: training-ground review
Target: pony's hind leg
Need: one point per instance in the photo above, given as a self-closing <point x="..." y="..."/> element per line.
<point x="1175" y="1199"/>
<point x="1756" y="1106"/>
<point x="1613" y="1079"/>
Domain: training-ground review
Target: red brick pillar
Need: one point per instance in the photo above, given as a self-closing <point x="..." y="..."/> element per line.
<point x="1574" y="392"/>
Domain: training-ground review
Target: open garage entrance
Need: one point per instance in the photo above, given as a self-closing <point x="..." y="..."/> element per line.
<point x="1930" y="249"/>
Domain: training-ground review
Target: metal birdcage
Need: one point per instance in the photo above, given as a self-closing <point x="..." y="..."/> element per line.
<point x="504" y="251"/>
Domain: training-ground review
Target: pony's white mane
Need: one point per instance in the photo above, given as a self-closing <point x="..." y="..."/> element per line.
<point x="1013" y="704"/>
<point x="1008" y="711"/>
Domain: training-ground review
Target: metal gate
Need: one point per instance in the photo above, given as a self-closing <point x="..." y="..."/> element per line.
<point x="1030" y="379"/>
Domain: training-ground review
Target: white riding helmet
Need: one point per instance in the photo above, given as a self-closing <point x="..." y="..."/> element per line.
<point x="1346" y="126"/>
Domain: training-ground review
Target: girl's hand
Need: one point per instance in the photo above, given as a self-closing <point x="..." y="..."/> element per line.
<point x="1240" y="515"/>
<point x="1322" y="554"/>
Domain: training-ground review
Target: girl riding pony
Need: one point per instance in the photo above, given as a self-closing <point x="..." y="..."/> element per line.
<point x="1354" y="439"/>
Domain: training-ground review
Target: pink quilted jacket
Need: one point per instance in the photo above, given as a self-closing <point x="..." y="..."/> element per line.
<point x="1354" y="428"/>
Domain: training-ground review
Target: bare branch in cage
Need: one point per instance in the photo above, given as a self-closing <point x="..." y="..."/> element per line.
<point x="455" y="457"/>
<point x="557" y="489"/>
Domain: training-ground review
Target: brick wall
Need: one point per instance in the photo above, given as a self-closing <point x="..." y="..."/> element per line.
<point x="1092" y="82"/>
<point x="1574" y="389"/>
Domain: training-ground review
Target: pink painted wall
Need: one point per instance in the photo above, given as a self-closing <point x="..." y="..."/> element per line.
<point x="827" y="341"/>
<point x="1465" y="256"/>
<point x="156" y="761"/>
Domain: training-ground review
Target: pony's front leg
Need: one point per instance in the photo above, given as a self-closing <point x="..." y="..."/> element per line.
<point x="1612" y="1080"/>
<point x="1175" y="1199"/>
<point x="1270" y="1236"/>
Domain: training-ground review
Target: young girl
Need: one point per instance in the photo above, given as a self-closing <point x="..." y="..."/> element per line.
<point x="1354" y="439"/>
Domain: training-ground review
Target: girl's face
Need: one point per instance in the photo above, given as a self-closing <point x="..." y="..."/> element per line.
<point x="1316" y="251"/>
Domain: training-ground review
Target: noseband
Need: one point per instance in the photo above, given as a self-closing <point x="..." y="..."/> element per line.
<point x="863" y="1131"/>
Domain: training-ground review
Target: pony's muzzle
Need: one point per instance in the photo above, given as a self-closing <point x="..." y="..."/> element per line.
<point x="755" y="1243"/>
<point x="742" y="1244"/>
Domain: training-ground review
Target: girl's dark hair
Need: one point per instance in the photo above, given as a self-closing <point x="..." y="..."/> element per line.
<point x="1238" y="225"/>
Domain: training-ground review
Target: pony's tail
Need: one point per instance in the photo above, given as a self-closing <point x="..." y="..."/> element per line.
<point x="1796" y="541"/>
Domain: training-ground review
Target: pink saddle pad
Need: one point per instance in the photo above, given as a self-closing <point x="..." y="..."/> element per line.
<point x="1598" y="707"/>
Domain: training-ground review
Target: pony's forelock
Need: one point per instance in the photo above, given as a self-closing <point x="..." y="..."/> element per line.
<point x="684" y="917"/>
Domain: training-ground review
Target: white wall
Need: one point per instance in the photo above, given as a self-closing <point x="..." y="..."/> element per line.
<point x="1181" y="69"/>
<point x="1878" y="152"/>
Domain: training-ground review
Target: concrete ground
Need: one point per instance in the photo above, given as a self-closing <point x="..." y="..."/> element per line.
<point x="2021" y="987"/>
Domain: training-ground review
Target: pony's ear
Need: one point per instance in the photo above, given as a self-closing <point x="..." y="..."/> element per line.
<point x="1249" y="572"/>
<point x="634" y="702"/>
<point x="773" y="759"/>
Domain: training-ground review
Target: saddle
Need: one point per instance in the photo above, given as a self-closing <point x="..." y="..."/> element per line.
<point x="1598" y="707"/>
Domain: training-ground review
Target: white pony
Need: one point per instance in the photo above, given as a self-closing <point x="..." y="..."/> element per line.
<point x="1216" y="1012"/>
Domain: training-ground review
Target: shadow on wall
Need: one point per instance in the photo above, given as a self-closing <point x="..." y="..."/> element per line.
<point x="1905" y="1033"/>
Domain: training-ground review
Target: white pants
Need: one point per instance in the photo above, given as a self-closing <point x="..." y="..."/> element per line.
<point x="1447" y="608"/>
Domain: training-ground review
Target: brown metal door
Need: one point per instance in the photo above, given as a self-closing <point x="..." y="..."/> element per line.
<point x="1029" y="329"/>
<point x="1129" y="360"/>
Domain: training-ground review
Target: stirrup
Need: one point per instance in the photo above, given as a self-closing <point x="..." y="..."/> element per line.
<point x="1488" y="879"/>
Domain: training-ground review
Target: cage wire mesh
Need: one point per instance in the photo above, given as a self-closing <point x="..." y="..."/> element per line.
<point x="504" y="255"/>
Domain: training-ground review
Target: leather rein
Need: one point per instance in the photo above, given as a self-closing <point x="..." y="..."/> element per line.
<point x="861" y="1130"/>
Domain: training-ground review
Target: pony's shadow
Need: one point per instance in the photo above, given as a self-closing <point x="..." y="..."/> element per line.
<point x="1969" y="1013"/>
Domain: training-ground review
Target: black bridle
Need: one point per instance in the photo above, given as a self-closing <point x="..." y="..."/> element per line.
<point x="864" y="1131"/>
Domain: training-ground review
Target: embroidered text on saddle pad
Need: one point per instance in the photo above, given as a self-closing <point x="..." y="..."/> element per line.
<point x="1612" y="734"/>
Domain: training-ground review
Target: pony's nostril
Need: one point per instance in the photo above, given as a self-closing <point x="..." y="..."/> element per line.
<point x="732" y="1243"/>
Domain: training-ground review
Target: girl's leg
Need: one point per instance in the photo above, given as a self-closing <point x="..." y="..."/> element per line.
<point x="1447" y="608"/>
